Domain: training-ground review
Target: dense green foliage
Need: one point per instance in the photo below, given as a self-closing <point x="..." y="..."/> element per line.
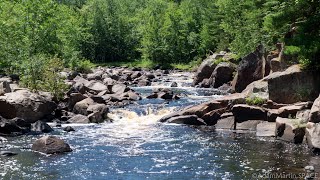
<point x="157" y="31"/>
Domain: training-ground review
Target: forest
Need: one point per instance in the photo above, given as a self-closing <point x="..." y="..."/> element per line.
<point x="39" y="37"/>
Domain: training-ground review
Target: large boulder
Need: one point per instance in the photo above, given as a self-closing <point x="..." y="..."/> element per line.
<point x="205" y="70"/>
<point x="51" y="145"/>
<point x="251" y="68"/>
<point x="290" y="130"/>
<point x="243" y="112"/>
<point x="315" y="111"/>
<point x="74" y="98"/>
<point x="313" y="136"/>
<point x="13" y="127"/>
<point x="293" y="85"/>
<point x="4" y="87"/>
<point x="80" y="119"/>
<point x="119" y="88"/>
<point x="82" y="106"/>
<point x="222" y="74"/>
<point x="97" y="113"/>
<point x="95" y="86"/>
<point x="26" y="105"/>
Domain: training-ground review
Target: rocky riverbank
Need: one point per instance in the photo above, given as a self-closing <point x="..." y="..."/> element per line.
<point x="270" y="96"/>
<point x="262" y="94"/>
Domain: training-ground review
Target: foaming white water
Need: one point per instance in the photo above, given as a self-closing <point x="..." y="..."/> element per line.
<point x="128" y="117"/>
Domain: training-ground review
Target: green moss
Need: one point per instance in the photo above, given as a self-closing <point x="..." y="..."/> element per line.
<point x="255" y="101"/>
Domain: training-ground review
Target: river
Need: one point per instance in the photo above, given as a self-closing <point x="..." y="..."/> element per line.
<point x="137" y="146"/>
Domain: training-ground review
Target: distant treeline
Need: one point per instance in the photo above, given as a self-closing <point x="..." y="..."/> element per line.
<point x="162" y="31"/>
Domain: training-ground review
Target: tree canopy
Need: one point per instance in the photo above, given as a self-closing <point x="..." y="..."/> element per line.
<point x="162" y="31"/>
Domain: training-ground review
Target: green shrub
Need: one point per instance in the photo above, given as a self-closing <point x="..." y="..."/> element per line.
<point x="40" y="73"/>
<point x="83" y="66"/>
<point x="292" y="50"/>
<point x="255" y="101"/>
<point x="51" y="80"/>
<point x="32" y="72"/>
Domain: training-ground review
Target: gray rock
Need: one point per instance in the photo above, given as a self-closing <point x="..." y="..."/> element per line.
<point x="250" y="69"/>
<point x="313" y="136"/>
<point x="293" y="85"/>
<point x="51" y="145"/>
<point x="205" y="70"/>
<point x="290" y="130"/>
<point x="82" y="106"/>
<point x="119" y="88"/>
<point x="188" y="119"/>
<point x="266" y="129"/>
<point x="222" y="74"/>
<point x="315" y="111"/>
<point x="26" y="105"/>
<point x="81" y="119"/>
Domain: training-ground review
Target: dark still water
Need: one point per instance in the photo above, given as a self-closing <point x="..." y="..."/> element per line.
<point x="136" y="146"/>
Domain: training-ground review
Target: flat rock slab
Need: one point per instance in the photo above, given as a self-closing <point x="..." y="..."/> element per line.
<point x="225" y="123"/>
<point x="250" y="125"/>
<point x="266" y="129"/>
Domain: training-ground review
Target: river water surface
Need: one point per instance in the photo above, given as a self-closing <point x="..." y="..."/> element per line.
<point x="136" y="146"/>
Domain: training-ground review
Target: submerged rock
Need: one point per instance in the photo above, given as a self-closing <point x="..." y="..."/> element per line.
<point x="68" y="129"/>
<point x="7" y="153"/>
<point x="51" y="145"/>
<point x="266" y="129"/>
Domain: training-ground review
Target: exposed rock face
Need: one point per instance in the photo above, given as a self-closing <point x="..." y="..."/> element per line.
<point x="313" y="136"/>
<point x="26" y="105"/>
<point x="291" y="130"/>
<point x="257" y="89"/>
<point x="68" y="129"/>
<point x="293" y="85"/>
<point x="51" y="145"/>
<point x="79" y="119"/>
<point x="222" y="74"/>
<point x="315" y="111"/>
<point x="251" y="68"/>
<point x="205" y="70"/>
<point x="189" y="120"/>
